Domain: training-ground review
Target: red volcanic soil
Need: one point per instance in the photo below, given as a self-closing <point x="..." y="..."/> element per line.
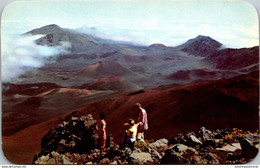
<point x="27" y="89"/>
<point x="198" y="75"/>
<point x="235" y="58"/>
<point x="20" y="148"/>
<point x="27" y="108"/>
<point x="111" y="83"/>
<point x="104" y="69"/>
<point x="181" y="108"/>
<point x="171" y="109"/>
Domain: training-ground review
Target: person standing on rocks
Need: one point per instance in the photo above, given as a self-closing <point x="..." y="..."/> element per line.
<point x="131" y="133"/>
<point x="142" y="122"/>
<point x="101" y="126"/>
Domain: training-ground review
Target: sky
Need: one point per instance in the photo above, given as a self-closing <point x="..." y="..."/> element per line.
<point x="142" y="22"/>
<point x="233" y="23"/>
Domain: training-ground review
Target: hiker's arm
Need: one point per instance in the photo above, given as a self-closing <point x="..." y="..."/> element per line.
<point x="103" y="128"/>
<point x="141" y="119"/>
<point x="126" y="124"/>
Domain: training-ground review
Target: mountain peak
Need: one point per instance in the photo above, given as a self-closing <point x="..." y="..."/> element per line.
<point x="45" y="29"/>
<point x="52" y="26"/>
<point x="157" y="45"/>
<point x="201" y="45"/>
<point x="204" y="39"/>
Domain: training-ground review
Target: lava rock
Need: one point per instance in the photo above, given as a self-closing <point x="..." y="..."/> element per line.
<point x="140" y="158"/>
<point x="249" y="144"/>
<point x="177" y="139"/>
<point x="181" y="154"/>
<point x="159" y="145"/>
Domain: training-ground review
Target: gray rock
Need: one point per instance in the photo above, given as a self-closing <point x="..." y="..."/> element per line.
<point x="140" y="158"/>
<point x="181" y="154"/>
<point x="178" y="139"/>
<point x="42" y="160"/>
<point x="89" y="163"/>
<point x="193" y="141"/>
<point x="74" y="118"/>
<point x="66" y="160"/>
<point x="230" y="147"/>
<point x="249" y="144"/>
<point x="159" y="145"/>
<point x="113" y="163"/>
<point x="104" y="161"/>
<point x="137" y="150"/>
<point x="155" y="154"/>
<point x="212" y="158"/>
<point x="206" y="135"/>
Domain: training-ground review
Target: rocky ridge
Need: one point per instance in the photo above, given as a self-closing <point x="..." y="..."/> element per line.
<point x="75" y="141"/>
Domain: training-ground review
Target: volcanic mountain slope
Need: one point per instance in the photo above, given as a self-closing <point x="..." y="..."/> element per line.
<point x="186" y="76"/>
<point x="26" y="89"/>
<point x="201" y="46"/>
<point x="30" y="105"/>
<point x="111" y="83"/>
<point x="171" y="109"/>
<point x="234" y="59"/>
<point x="156" y="61"/>
<point x="104" y="69"/>
<point x="216" y="104"/>
<point x="56" y="36"/>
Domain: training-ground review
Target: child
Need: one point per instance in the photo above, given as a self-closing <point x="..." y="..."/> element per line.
<point x="101" y="126"/>
<point x="131" y="133"/>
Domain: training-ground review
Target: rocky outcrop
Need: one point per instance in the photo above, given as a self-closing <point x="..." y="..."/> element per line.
<point x="78" y="135"/>
<point x="76" y="142"/>
<point x="250" y="145"/>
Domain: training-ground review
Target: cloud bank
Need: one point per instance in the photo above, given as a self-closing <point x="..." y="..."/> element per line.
<point x="21" y="53"/>
<point x="176" y="33"/>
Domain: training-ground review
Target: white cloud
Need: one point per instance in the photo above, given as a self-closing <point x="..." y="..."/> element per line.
<point x="21" y="53"/>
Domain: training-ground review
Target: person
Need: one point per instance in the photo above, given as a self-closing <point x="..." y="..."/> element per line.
<point x="101" y="126"/>
<point x="142" y="122"/>
<point x="131" y="133"/>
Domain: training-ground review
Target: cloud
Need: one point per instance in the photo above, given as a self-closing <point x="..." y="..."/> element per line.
<point x="176" y="33"/>
<point x="21" y="53"/>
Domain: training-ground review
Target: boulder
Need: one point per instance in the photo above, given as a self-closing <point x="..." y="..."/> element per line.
<point x="155" y="154"/>
<point x="206" y="135"/>
<point x="113" y="163"/>
<point x="104" y="161"/>
<point x="159" y="145"/>
<point x="181" y="154"/>
<point x="192" y="141"/>
<point x="177" y="139"/>
<point x="212" y="158"/>
<point x="230" y="147"/>
<point x="89" y="163"/>
<point x="250" y="146"/>
<point x="218" y="134"/>
<point x="140" y="158"/>
<point x="65" y="160"/>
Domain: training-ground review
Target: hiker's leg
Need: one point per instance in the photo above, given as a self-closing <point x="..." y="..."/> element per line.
<point x="102" y="145"/>
<point x="139" y="136"/>
<point x="132" y="143"/>
<point x="101" y="151"/>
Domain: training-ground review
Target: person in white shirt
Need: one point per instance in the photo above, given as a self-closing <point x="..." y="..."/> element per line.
<point x="142" y="122"/>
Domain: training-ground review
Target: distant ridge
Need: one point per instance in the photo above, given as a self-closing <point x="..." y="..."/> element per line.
<point x="201" y="46"/>
<point x="145" y="66"/>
